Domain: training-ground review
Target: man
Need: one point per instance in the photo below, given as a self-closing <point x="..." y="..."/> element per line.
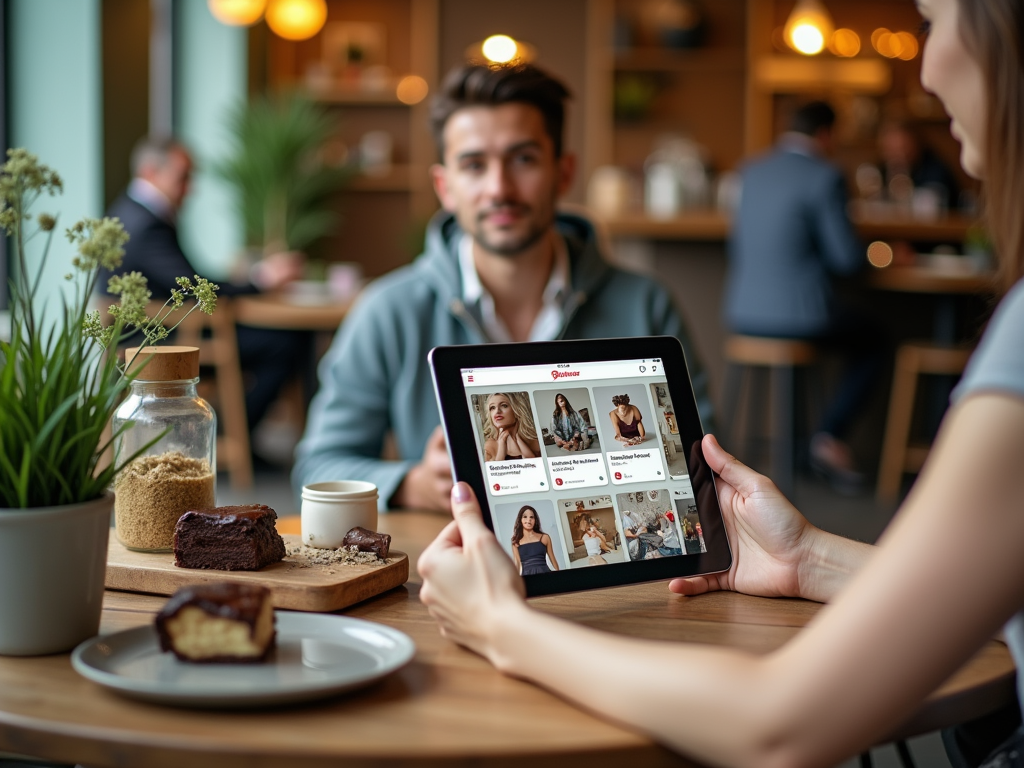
<point x="790" y="235"/>
<point x="161" y="179"/>
<point x="500" y="265"/>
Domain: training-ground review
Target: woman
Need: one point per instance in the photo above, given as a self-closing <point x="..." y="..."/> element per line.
<point x="667" y="529"/>
<point x="595" y="541"/>
<point x="508" y="428"/>
<point x="627" y="421"/>
<point x="596" y="544"/>
<point x="568" y="427"/>
<point x="531" y="547"/>
<point x="827" y="693"/>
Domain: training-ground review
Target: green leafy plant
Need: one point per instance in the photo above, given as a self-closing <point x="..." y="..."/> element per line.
<point x="284" y="189"/>
<point x="60" y="379"/>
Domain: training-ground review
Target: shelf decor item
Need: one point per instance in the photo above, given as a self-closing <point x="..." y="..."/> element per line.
<point x="60" y="382"/>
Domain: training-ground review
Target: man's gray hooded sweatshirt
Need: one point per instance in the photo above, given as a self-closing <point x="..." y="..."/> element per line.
<point x="375" y="378"/>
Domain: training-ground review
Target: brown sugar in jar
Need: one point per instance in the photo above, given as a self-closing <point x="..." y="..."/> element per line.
<point x="153" y="492"/>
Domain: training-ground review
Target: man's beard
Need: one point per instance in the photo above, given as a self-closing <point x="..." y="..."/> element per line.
<point x="511" y="249"/>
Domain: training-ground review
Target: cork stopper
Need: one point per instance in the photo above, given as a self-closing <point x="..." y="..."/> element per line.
<point x="165" y="363"/>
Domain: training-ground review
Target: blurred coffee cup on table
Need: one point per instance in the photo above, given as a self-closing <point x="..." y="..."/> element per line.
<point x="331" y="509"/>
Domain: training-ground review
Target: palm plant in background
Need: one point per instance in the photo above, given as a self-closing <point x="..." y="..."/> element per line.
<point x="284" y="188"/>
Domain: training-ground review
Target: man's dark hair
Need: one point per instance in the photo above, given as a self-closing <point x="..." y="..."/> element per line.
<point x="812" y="117"/>
<point x="489" y="86"/>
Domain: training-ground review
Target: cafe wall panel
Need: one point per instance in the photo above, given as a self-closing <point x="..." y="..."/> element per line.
<point x="54" y="109"/>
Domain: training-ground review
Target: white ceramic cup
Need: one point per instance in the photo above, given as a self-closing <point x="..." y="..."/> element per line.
<point x="332" y="509"/>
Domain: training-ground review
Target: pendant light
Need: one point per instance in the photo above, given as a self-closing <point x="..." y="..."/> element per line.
<point x="237" y="13"/>
<point x="296" y="19"/>
<point x="808" y="28"/>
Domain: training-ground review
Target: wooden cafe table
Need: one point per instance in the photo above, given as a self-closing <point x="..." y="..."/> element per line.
<point x="446" y="708"/>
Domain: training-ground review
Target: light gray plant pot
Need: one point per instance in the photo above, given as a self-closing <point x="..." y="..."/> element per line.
<point x="52" y="564"/>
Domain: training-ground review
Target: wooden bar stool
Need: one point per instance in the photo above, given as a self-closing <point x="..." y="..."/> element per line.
<point x="780" y="357"/>
<point x="899" y="454"/>
<point x="218" y="350"/>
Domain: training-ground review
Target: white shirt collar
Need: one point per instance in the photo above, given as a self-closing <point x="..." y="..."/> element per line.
<point x="548" y="323"/>
<point x="148" y="196"/>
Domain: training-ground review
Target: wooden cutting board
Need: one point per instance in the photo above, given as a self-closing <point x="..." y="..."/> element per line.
<point x="294" y="582"/>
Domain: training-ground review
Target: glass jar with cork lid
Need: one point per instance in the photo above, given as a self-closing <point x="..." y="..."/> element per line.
<point x="176" y="430"/>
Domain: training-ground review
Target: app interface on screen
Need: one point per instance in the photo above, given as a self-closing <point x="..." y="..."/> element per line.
<point x="583" y="463"/>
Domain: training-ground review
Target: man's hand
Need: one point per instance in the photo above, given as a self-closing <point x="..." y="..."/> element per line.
<point x="277" y="269"/>
<point x="768" y="536"/>
<point x="429" y="484"/>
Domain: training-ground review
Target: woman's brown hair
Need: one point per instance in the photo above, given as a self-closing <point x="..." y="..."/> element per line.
<point x="991" y="31"/>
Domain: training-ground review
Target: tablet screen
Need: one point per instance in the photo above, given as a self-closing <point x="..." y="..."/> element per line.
<point x="583" y="463"/>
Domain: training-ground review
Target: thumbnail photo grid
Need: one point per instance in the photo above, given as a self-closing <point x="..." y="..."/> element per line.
<point x="544" y="536"/>
<point x="571" y="438"/>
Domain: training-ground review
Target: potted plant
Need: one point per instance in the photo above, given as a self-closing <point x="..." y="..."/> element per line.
<point x="60" y="382"/>
<point x="283" y="186"/>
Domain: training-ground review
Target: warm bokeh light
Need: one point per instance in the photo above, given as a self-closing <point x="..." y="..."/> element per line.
<point x="779" y="39"/>
<point x="885" y="42"/>
<point x="808" y="27"/>
<point x="296" y="19"/>
<point x="845" y="43"/>
<point x="807" y="39"/>
<point x="500" y="49"/>
<point x="237" y="13"/>
<point x="879" y="254"/>
<point x="878" y="33"/>
<point x="412" y="89"/>
<point x="908" y="46"/>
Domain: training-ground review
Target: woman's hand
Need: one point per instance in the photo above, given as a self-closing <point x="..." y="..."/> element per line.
<point x="770" y="539"/>
<point x="469" y="584"/>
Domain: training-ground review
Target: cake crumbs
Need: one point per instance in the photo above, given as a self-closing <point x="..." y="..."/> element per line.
<point x="305" y="557"/>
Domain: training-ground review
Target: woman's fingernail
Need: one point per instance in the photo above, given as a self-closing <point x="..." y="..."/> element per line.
<point x="460" y="493"/>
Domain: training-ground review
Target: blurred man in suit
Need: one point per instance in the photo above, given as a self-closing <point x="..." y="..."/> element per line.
<point x="790" y="236"/>
<point x="161" y="179"/>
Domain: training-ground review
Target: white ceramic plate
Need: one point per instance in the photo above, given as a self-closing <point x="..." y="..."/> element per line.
<point x="317" y="655"/>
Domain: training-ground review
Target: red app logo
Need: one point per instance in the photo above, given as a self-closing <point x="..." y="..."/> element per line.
<point x="618" y="475"/>
<point x="497" y="487"/>
<point x="558" y="481"/>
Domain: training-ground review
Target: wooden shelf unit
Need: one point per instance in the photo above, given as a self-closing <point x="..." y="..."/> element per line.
<point x="711" y="225"/>
<point x="379" y="213"/>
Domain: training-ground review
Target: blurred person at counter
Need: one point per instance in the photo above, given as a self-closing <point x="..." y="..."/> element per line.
<point x="148" y="209"/>
<point x="790" y="236"/>
<point x="905" y="157"/>
<point x="501" y="264"/>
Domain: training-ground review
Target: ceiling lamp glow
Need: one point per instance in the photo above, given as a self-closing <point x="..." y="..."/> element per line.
<point x="808" y="27"/>
<point x="908" y="46"/>
<point x="296" y="19"/>
<point x="412" y="89"/>
<point x="844" y="43"/>
<point x="237" y="13"/>
<point x="500" y="49"/>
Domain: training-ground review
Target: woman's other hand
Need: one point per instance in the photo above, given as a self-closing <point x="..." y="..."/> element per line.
<point x="770" y="539"/>
<point x="469" y="583"/>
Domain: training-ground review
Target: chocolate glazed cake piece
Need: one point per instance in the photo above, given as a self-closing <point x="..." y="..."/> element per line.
<point x="240" y="538"/>
<point x="218" y="623"/>
<point x="366" y="540"/>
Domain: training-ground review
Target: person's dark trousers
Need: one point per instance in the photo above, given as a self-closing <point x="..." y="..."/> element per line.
<point x="268" y="358"/>
<point x="969" y="744"/>
<point x="864" y="346"/>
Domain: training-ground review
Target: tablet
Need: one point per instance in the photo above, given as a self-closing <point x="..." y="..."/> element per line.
<point x="586" y="458"/>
